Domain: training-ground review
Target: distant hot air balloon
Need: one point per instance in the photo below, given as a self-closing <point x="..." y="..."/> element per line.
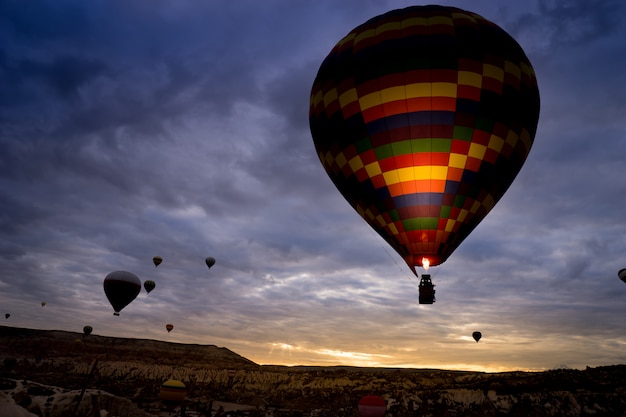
<point x="121" y="287"/>
<point x="173" y="392"/>
<point x="87" y="330"/>
<point x="157" y="261"/>
<point x="210" y="261"/>
<point x="43" y="303"/>
<point x="7" y="315"/>
<point x="422" y="117"/>
<point x="622" y="274"/>
<point x="372" y="406"/>
<point x="169" y="327"/>
<point x="149" y="285"/>
<point x="477" y="336"/>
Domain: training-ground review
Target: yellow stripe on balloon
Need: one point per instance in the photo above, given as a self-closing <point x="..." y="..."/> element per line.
<point x="470" y="78"/>
<point x="496" y="143"/>
<point x="462" y="215"/>
<point x="373" y="169"/>
<point x="443" y="90"/>
<point x="512" y="138"/>
<point x="317" y="98"/>
<point x="457" y="160"/>
<point x="525" y="139"/>
<point x="511" y="68"/>
<point x="330" y="96"/>
<point x="414" y="21"/>
<point x="397" y="25"/>
<point x="489" y="202"/>
<point x="463" y="16"/>
<point x="347" y="97"/>
<point x="348" y="38"/>
<point x="493" y="71"/>
<point x="477" y="151"/>
<point x="356" y="163"/>
<point x="366" y="34"/>
<point x="416" y="90"/>
<point x="341" y="160"/>
<point x="393" y="94"/>
<point x="440" y="20"/>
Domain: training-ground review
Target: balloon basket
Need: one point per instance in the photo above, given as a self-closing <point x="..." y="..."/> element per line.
<point x="426" y="290"/>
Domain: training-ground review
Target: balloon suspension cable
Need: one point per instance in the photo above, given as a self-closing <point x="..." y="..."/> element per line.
<point x="402" y="267"/>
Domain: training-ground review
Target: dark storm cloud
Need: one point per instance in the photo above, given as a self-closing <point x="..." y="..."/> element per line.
<point x="575" y="22"/>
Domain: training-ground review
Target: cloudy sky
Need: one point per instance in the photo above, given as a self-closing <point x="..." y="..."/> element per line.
<point x="130" y="129"/>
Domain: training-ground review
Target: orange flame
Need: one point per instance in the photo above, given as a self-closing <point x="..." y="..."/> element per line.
<point x="425" y="263"/>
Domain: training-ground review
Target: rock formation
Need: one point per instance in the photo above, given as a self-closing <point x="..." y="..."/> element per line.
<point x="46" y="373"/>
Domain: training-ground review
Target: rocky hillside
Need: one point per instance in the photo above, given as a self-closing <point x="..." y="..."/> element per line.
<point x="126" y="374"/>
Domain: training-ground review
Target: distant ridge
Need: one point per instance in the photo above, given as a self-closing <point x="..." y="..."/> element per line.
<point x="18" y="341"/>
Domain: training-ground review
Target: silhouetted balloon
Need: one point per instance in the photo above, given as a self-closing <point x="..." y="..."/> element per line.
<point x="87" y="330"/>
<point x="169" y="327"/>
<point x="7" y="315"/>
<point x="422" y="117"/>
<point x="372" y="406"/>
<point x="43" y="303"/>
<point x="121" y="287"/>
<point x="157" y="261"/>
<point x="173" y="392"/>
<point x="210" y="261"/>
<point x="477" y="336"/>
<point x="622" y="274"/>
<point x="149" y="285"/>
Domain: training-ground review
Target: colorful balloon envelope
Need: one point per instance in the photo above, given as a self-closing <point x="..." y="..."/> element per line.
<point x="477" y="336"/>
<point x="210" y="261"/>
<point x="173" y="391"/>
<point x="157" y="261"/>
<point x="422" y="117"/>
<point x="372" y="406"/>
<point x="121" y="288"/>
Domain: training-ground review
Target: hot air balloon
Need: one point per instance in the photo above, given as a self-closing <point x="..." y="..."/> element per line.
<point x="210" y="261"/>
<point x="157" y="261"/>
<point x="173" y="392"/>
<point x="149" y="285"/>
<point x="87" y="330"/>
<point x="422" y="117"/>
<point x="169" y="327"/>
<point x="121" y="287"/>
<point x="622" y="274"/>
<point x="43" y="303"/>
<point x="372" y="406"/>
<point x="477" y="336"/>
<point x="7" y="315"/>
